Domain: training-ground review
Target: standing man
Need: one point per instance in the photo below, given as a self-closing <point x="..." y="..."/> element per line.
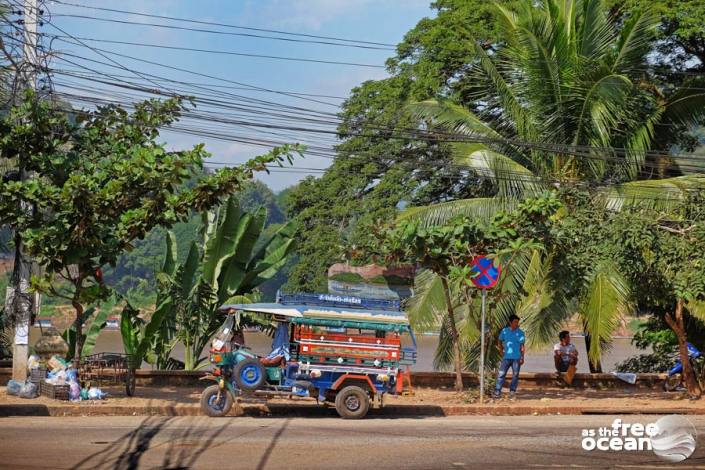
<point x="565" y="353"/>
<point x="511" y="348"/>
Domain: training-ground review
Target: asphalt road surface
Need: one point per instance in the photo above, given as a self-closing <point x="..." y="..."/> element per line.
<point x="318" y="442"/>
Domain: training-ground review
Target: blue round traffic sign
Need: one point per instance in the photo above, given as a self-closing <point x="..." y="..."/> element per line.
<point x="487" y="274"/>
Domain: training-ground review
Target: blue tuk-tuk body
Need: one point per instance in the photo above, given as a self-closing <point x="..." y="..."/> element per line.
<point x="342" y="350"/>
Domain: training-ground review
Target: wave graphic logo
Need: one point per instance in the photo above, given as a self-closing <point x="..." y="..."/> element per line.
<point x="675" y="439"/>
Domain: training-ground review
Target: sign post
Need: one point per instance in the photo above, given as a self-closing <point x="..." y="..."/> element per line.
<point x="486" y="277"/>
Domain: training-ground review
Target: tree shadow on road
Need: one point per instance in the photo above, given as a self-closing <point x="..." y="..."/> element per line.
<point x="125" y="453"/>
<point x="268" y="451"/>
<point x="183" y="447"/>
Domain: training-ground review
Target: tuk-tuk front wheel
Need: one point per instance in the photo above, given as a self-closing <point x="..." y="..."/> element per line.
<point x="352" y="402"/>
<point x="213" y="405"/>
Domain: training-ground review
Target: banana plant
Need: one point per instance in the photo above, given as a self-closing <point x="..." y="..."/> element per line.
<point x="138" y="333"/>
<point x="227" y="268"/>
<point x="90" y="336"/>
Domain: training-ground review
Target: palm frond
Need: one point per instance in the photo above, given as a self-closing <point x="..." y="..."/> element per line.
<point x="663" y="194"/>
<point x="546" y="306"/>
<point x="427" y="306"/>
<point x="511" y="178"/>
<point x="452" y="117"/>
<point x="686" y="106"/>
<point x="606" y="300"/>
<point x="438" y="214"/>
<point x="696" y="308"/>
<point x="634" y="44"/>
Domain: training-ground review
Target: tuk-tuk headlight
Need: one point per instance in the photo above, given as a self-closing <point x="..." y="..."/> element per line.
<point x="215" y="358"/>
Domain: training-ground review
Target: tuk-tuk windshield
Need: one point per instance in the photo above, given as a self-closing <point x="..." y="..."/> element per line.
<point x="224" y="334"/>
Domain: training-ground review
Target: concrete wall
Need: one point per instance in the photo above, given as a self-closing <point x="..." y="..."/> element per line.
<point x="438" y="380"/>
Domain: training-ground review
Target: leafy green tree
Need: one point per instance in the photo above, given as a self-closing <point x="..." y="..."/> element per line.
<point x="681" y="33"/>
<point x="446" y="250"/>
<point x="101" y="182"/>
<point x="565" y="75"/>
<point x="436" y="54"/>
<point x="373" y="174"/>
<point x="660" y="254"/>
<point x="256" y="194"/>
<point x="228" y="269"/>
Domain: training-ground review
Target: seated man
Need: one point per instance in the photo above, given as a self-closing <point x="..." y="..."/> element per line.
<point x="564" y="352"/>
<point x="280" y="348"/>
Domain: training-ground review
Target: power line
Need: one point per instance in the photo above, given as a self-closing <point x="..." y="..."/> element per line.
<point x="225" y="33"/>
<point x="212" y="77"/>
<point x="225" y="25"/>
<point x="210" y="51"/>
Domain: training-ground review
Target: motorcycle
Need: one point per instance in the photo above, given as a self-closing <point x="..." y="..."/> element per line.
<point x="674" y="381"/>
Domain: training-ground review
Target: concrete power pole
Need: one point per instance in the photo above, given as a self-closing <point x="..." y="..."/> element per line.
<point x="18" y="299"/>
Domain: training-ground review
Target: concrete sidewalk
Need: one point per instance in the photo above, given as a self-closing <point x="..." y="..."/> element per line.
<point x="184" y="401"/>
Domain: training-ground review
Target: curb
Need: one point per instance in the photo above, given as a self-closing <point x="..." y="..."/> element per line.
<point x="311" y="411"/>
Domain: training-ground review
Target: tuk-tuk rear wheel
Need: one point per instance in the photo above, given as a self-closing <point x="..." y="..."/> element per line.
<point x="352" y="402"/>
<point x="213" y="405"/>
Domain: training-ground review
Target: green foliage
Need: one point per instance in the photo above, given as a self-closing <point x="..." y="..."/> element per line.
<point x="645" y="363"/>
<point x="138" y="333"/>
<point x="98" y="317"/>
<point x="101" y="182"/>
<point x="446" y="298"/>
<point x="372" y="175"/>
<point x="347" y="277"/>
<point x="681" y="35"/>
<point x="229" y="269"/>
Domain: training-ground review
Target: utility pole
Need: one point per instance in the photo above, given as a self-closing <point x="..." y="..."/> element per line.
<point x="18" y="299"/>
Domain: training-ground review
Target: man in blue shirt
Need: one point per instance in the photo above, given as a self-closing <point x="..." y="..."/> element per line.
<point x="511" y="348"/>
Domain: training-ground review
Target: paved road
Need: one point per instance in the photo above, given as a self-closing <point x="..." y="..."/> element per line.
<point x="311" y="443"/>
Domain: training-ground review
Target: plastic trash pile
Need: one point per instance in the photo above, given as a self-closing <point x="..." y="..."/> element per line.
<point x="25" y="389"/>
<point x="60" y="373"/>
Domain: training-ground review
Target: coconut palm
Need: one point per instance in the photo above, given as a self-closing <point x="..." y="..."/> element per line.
<point x="564" y="99"/>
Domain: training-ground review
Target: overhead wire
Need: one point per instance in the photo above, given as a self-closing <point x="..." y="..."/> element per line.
<point x="219" y="52"/>
<point x="309" y="130"/>
<point x="211" y="23"/>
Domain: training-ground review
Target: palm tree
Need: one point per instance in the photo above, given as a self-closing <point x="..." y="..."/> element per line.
<point x="565" y="99"/>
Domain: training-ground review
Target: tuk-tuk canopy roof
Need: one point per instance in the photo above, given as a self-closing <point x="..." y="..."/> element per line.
<point x="325" y="310"/>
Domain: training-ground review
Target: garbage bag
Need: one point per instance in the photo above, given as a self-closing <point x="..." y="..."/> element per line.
<point x="13" y="387"/>
<point x="33" y="362"/>
<point x="94" y="393"/>
<point x="56" y="363"/>
<point x="74" y="391"/>
<point x="28" y="390"/>
<point x="71" y="375"/>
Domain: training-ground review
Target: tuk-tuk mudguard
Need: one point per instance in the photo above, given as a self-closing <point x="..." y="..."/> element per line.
<point x="224" y="384"/>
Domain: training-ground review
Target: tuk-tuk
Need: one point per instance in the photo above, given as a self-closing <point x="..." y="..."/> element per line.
<point x="338" y="350"/>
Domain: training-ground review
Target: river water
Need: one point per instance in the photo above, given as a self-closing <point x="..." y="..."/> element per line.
<point x="539" y="360"/>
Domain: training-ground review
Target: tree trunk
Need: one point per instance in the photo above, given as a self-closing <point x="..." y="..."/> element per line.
<point x="678" y="327"/>
<point x="454" y="336"/>
<point x="78" y="348"/>
<point x="595" y="366"/>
